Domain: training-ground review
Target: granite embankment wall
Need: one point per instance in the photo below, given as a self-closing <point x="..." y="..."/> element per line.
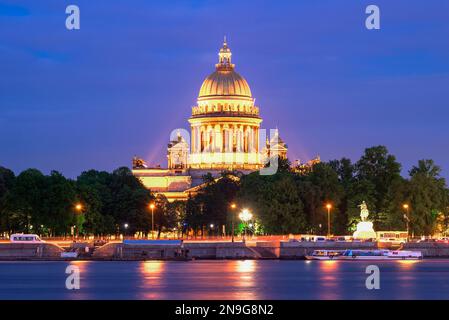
<point x="120" y="251"/>
<point x="205" y="250"/>
<point x="195" y="250"/>
<point x="24" y="251"/>
<point x="434" y="250"/>
<point x="221" y="250"/>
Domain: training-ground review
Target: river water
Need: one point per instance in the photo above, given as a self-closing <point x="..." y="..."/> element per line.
<point x="225" y="279"/>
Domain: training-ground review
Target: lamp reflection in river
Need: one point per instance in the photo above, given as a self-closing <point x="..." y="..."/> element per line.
<point x="152" y="273"/>
<point x="246" y="284"/>
<point x="407" y="264"/>
<point x="328" y="279"/>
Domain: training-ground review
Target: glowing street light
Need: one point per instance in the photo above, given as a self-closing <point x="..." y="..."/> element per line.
<point x="245" y="216"/>
<point x="233" y="206"/>
<point x="406" y="217"/>
<point x="78" y="207"/>
<point x="152" y="206"/>
<point x="328" y="207"/>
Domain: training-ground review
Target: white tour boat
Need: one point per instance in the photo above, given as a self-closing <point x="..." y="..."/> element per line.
<point x="324" y="254"/>
<point x="365" y="255"/>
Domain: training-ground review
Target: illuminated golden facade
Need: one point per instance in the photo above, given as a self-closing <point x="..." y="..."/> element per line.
<point x="225" y="135"/>
<point x="225" y="122"/>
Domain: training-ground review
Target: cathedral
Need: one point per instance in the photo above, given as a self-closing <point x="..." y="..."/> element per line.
<point x="224" y="135"/>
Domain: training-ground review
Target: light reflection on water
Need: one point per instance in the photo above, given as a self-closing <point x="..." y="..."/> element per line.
<point x="246" y="270"/>
<point x="152" y="273"/>
<point x="225" y="279"/>
<point x="329" y="280"/>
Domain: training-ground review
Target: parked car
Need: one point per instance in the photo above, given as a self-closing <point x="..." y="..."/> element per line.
<point x="319" y="239"/>
<point x="339" y="239"/>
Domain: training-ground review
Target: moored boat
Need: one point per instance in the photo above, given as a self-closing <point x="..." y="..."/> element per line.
<point x="380" y="255"/>
<point x="324" y="254"/>
<point x="364" y="255"/>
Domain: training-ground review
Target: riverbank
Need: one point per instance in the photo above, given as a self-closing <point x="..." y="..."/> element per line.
<point x="258" y="250"/>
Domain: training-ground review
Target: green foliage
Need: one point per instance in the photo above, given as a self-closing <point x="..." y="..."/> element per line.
<point x="380" y="169"/>
<point x="427" y="195"/>
<point x="47" y="203"/>
<point x="275" y="200"/>
<point x="286" y="202"/>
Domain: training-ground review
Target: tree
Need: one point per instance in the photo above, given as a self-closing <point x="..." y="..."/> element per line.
<point x="24" y="204"/>
<point x="380" y="169"/>
<point x="7" y="180"/>
<point x="57" y="205"/>
<point x="275" y="202"/>
<point x="318" y="187"/>
<point x="345" y="171"/>
<point x="427" y="196"/>
<point x="112" y="200"/>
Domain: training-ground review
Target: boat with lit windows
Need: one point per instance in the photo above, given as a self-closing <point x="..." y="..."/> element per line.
<point x="324" y="254"/>
<point x="380" y="255"/>
<point x="364" y="255"/>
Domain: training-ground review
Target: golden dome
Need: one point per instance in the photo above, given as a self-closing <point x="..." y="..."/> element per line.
<point x="224" y="81"/>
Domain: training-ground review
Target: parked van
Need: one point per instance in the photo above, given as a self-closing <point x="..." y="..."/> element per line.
<point x="25" y="238"/>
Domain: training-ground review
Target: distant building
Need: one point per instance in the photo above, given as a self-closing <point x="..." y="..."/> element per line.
<point x="304" y="168"/>
<point x="225" y="126"/>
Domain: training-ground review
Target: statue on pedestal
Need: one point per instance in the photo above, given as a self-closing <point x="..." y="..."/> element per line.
<point x="364" y="213"/>
<point x="364" y="228"/>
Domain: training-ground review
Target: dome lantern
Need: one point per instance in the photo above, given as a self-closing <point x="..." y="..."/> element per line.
<point x="224" y="57"/>
<point x="224" y="82"/>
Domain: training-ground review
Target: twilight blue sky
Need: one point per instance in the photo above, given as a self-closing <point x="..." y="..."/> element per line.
<point x="75" y="100"/>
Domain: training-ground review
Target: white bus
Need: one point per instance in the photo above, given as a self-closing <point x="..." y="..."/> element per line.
<point x="394" y="237"/>
<point x="25" y="238"/>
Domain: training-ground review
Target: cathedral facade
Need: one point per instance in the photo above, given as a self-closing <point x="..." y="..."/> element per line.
<point x="225" y="135"/>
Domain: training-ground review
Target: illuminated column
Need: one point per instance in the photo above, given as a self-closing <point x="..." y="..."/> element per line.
<point x="237" y="138"/>
<point x="246" y="139"/>
<point x="198" y="139"/>
<point x="225" y="138"/>
<point x="254" y="139"/>
<point x="207" y="144"/>
<point x="203" y="133"/>
<point x="250" y="139"/>
<point x="258" y="140"/>
<point x="218" y="142"/>
<point x="240" y="144"/>
<point x="230" y="139"/>
<point x="193" y="140"/>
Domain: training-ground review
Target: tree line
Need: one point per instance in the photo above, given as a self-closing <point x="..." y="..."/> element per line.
<point x="290" y="201"/>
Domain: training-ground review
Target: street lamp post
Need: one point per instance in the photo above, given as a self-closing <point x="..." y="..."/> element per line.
<point x="245" y="216"/>
<point x="78" y="209"/>
<point x="126" y="228"/>
<point x="152" y="219"/>
<point x="233" y="206"/>
<point x="211" y="226"/>
<point x="329" y="207"/>
<point x="407" y="219"/>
